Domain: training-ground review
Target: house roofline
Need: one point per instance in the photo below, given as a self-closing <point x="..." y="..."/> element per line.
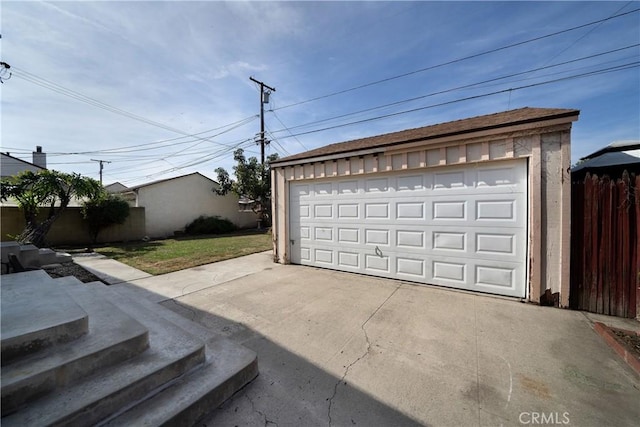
<point x="322" y="153"/>
<point x="168" y="179"/>
<point x="23" y="161"/>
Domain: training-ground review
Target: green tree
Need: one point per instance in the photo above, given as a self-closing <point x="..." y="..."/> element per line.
<point x="253" y="182"/>
<point x="48" y="189"/>
<point x="104" y="211"/>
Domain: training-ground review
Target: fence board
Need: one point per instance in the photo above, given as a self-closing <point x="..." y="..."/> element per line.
<point x="607" y="267"/>
<point x="635" y="308"/>
<point x="605" y="259"/>
<point x="595" y="277"/>
<point x="624" y="205"/>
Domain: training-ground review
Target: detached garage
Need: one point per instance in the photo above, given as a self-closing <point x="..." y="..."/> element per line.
<point x="481" y="204"/>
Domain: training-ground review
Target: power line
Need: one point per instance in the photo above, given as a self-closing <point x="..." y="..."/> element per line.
<point x="47" y="84"/>
<point x="585" y="35"/>
<point x="151" y="145"/>
<point x="454" y="61"/>
<point x="602" y="71"/>
<point x="444" y="91"/>
<point x="275" y="141"/>
<point x="287" y="129"/>
<point x="174" y="168"/>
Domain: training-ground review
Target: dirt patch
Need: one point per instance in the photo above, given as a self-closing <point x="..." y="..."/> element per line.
<point x="71" y="269"/>
<point x="631" y="339"/>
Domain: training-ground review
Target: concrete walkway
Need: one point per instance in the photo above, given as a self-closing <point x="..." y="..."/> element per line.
<point x="343" y="349"/>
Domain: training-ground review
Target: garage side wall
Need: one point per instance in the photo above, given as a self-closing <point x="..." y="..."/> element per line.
<point x="547" y="150"/>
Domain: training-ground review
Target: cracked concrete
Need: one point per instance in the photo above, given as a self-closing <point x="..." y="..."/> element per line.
<point x="366" y="353"/>
<point x="267" y="421"/>
<point x="351" y="350"/>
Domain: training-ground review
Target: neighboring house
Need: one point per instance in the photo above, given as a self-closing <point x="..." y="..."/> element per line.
<point x="171" y="204"/>
<point x="611" y="160"/>
<point x="116" y="187"/>
<point x="10" y="165"/>
<point x="480" y="204"/>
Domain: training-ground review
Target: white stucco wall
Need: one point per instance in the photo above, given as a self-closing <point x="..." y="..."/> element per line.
<point x="170" y="205"/>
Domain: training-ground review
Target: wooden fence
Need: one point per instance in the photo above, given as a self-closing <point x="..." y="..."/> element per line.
<point x="605" y="258"/>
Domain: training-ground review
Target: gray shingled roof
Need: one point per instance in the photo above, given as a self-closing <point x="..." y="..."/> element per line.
<point x="457" y="127"/>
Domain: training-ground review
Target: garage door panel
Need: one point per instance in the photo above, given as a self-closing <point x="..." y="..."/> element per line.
<point x="323" y="256"/>
<point x="410" y="183"/>
<point x="348" y="211"/>
<point x="449" y="210"/>
<point x="376" y="210"/>
<point x="496" y="243"/>
<point x="411" y="268"/>
<point x="443" y="181"/>
<point x="410" y="210"/>
<point x="411" y="240"/>
<point x="454" y="242"/>
<point x="489" y="276"/>
<point x="492" y="210"/>
<point x="323" y="189"/>
<point x="373" y="262"/>
<point x="448" y="272"/>
<point x="348" y="235"/>
<point x="349" y="260"/>
<point x="376" y="236"/>
<point x="459" y="227"/>
<point x="501" y="177"/>
<point x="377" y="185"/>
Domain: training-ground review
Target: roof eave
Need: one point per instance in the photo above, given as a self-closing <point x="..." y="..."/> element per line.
<point x="570" y="115"/>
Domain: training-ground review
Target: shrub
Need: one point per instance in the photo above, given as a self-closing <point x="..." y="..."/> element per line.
<point x="103" y="212"/>
<point x="210" y="225"/>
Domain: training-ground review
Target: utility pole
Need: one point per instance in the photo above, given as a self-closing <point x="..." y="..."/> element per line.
<point x="264" y="99"/>
<point x="101" y="166"/>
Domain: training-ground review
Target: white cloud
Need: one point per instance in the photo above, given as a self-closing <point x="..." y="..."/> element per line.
<point x="187" y="65"/>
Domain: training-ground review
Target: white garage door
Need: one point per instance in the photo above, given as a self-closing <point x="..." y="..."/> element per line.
<point x="462" y="227"/>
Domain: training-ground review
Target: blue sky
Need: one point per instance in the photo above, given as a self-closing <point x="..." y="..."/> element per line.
<point x="185" y="67"/>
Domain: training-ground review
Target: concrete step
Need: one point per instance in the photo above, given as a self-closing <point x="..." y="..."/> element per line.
<point x="229" y="367"/>
<point x="29" y="256"/>
<point x="113" y="336"/>
<point x="49" y="256"/>
<point x="7" y="248"/>
<point x="36" y="315"/>
<point x="172" y="353"/>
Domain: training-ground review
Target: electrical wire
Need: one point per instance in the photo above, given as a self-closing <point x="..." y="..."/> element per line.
<point x="454" y="61"/>
<point x="287" y="129"/>
<point x="592" y="73"/>
<point x="47" y="84"/>
<point x="175" y="168"/>
<point x="457" y="88"/>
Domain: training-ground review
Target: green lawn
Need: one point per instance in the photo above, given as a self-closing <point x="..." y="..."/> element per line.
<point x="164" y="256"/>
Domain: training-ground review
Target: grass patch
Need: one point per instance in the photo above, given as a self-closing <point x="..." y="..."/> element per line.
<point x="164" y="256"/>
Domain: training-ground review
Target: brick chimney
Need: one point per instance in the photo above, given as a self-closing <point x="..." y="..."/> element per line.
<point x="39" y="158"/>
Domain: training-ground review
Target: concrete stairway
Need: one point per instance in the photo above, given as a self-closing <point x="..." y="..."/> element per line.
<point x="31" y="256"/>
<point x="83" y="354"/>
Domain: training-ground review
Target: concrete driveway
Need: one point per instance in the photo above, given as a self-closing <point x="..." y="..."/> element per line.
<point x="338" y="349"/>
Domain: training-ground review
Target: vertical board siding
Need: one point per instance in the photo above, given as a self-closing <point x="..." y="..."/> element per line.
<point x="605" y="231"/>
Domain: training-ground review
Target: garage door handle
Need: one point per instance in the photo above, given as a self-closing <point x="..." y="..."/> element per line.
<point x="378" y="252"/>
